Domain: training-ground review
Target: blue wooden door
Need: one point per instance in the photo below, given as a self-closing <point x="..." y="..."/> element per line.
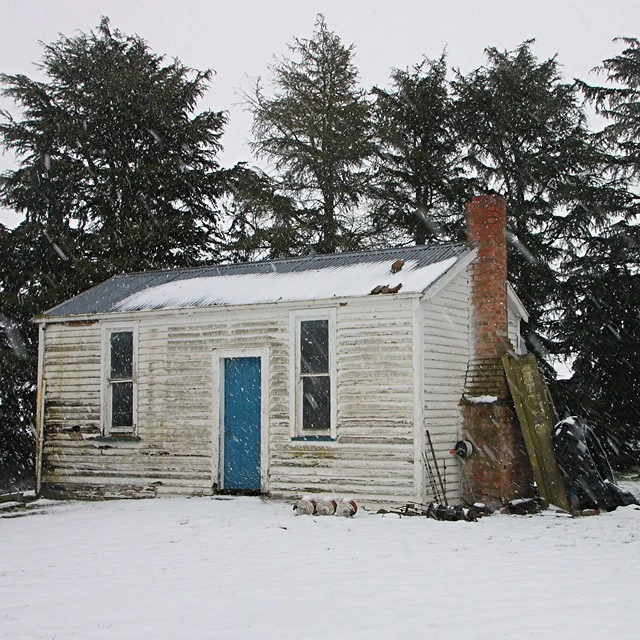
<point x="241" y="447"/>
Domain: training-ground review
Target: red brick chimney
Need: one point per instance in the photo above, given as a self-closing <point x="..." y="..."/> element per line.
<point x="499" y="468"/>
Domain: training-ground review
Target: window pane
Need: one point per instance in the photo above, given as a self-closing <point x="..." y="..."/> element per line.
<point x="122" y="404"/>
<point x="314" y="346"/>
<point x="316" y="403"/>
<point x="121" y="355"/>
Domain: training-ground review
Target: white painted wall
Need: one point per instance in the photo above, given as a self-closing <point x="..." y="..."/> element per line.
<point x="514" y="330"/>
<point x="372" y="459"/>
<point x="446" y="344"/>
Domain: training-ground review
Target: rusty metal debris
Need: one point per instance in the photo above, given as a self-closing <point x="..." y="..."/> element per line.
<point x="522" y="506"/>
<point x="385" y="288"/>
<point x="435" y="511"/>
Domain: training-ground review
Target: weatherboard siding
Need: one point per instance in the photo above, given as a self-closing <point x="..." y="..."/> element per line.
<point x="513" y="328"/>
<point x="372" y="459"/>
<point x="446" y="354"/>
<point x="74" y="461"/>
<point x="72" y="366"/>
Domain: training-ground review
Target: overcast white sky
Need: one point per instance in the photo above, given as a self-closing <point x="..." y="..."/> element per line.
<point x="239" y="39"/>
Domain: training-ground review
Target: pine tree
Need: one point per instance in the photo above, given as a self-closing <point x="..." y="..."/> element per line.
<point x="526" y="136"/>
<point x="418" y="187"/>
<point x="116" y="172"/>
<point x="600" y="324"/>
<point x="600" y="328"/>
<point x="261" y="222"/>
<point x="315" y="131"/>
<point x="17" y="389"/>
<point x="110" y="144"/>
<point x="619" y="103"/>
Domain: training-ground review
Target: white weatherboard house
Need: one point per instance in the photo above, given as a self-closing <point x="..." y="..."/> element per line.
<point x="283" y="377"/>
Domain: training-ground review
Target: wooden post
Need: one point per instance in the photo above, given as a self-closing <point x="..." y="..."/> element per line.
<point x="40" y="398"/>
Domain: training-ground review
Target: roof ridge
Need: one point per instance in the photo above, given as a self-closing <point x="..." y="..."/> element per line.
<point x="312" y="256"/>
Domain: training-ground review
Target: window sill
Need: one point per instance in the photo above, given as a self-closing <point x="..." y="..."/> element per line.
<point x="115" y="438"/>
<point x="313" y="439"/>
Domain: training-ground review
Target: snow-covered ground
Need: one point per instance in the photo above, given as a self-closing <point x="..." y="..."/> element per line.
<point x="248" y="568"/>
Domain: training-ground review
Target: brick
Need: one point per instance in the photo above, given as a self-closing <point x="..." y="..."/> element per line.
<point x="499" y="469"/>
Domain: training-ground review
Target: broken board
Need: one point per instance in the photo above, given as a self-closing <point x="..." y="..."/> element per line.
<point x="537" y="417"/>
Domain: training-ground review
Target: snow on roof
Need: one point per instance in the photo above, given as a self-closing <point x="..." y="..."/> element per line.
<point x="353" y="280"/>
<point x="313" y="277"/>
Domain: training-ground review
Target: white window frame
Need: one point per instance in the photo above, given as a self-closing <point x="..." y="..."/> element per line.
<point x="295" y="384"/>
<point x="106" y="387"/>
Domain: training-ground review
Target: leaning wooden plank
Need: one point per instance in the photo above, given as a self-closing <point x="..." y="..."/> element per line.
<point x="537" y="417"/>
<point x="548" y="419"/>
<point x="519" y="400"/>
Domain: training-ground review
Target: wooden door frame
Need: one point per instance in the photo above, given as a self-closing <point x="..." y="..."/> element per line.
<point x="217" y="436"/>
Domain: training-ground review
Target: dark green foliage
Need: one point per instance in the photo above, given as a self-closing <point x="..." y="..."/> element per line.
<point x="17" y="436"/>
<point x="526" y="136"/>
<point x="600" y="320"/>
<point x="600" y="327"/>
<point x="109" y="144"/>
<point x="18" y="348"/>
<point x="619" y="103"/>
<point x="116" y="173"/>
<point x="418" y="187"/>
<point x="262" y="222"/>
<point x="315" y="131"/>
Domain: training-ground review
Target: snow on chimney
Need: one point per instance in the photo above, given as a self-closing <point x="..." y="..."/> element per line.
<point x="499" y="469"/>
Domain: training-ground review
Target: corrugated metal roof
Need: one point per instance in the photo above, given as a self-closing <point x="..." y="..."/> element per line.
<point x="269" y="280"/>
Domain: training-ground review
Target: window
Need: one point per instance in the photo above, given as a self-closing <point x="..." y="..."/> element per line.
<point x="315" y="378"/>
<point x="120" y="382"/>
<point x="314" y="375"/>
